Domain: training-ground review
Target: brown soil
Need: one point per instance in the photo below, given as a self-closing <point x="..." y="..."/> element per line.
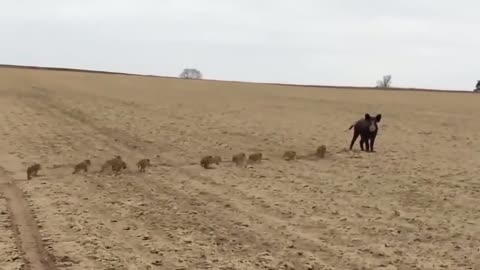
<point x="414" y="204"/>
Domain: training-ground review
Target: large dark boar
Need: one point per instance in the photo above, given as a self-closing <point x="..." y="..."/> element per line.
<point x="367" y="128"/>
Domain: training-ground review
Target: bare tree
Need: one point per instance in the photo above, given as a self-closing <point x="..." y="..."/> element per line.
<point x="191" y="73"/>
<point x="385" y="82"/>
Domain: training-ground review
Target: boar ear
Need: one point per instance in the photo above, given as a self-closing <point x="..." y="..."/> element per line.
<point x="367" y="116"/>
<point x="378" y="117"/>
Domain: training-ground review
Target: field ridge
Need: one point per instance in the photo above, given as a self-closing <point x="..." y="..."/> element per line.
<point x="242" y="82"/>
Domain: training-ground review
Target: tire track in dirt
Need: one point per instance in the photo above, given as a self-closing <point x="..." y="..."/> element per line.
<point x="106" y="142"/>
<point x="58" y="244"/>
<point x="9" y="254"/>
<point x="28" y="238"/>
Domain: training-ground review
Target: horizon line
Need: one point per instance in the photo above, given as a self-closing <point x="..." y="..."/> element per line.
<point x="233" y="81"/>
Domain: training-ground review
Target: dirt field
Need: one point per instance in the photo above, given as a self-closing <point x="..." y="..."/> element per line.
<point x="414" y="204"/>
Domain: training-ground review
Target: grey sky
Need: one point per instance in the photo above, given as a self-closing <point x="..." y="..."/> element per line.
<point x="422" y="43"/>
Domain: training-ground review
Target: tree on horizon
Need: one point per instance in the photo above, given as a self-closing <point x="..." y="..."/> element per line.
<point x="191" y="73"/>
<point x="385" y="82"/>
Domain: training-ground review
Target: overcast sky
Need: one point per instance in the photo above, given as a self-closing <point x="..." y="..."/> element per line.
<point x="422" y="43"/>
